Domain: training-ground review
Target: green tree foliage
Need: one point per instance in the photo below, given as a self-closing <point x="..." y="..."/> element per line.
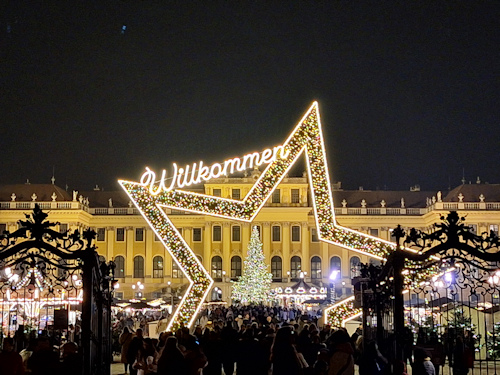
<point x="254" y="286"/>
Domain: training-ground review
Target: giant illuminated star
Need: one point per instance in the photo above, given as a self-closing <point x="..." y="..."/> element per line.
<point x="306" y="138"/>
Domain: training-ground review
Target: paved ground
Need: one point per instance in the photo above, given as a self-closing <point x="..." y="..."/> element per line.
<point x="480" y="369"/>
<point x="117" y="368"/>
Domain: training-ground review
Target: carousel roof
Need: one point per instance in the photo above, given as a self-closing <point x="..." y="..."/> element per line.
<point x="301" y="287"/>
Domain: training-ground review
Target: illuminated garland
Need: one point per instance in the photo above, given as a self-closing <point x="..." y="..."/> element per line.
<point x="307" y="136"/>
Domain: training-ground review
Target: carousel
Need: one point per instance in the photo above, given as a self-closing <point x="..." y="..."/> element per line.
<point x="300" y="293"/>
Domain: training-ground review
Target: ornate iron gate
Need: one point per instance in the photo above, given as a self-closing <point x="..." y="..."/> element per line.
<point x="444" y="298"/>
<point x="56" y="285"/>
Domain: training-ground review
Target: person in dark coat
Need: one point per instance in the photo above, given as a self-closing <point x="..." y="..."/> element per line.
<point x="212" y="347"/>
<point x="44" y="360"/>
<point x="125" y="340"/>
<point x="172" y="361"/>
<point x="284" y="356"/>
<point x="71" y="359"/>
<point x="229" y="337"/>
<point x="251" y="358"/>
<point x="133" y="351"/>
<point x="10" y="362"/>
<point x="422" y="364"/>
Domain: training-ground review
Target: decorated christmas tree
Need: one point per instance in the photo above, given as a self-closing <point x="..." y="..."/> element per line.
<point x="254" y="286"/>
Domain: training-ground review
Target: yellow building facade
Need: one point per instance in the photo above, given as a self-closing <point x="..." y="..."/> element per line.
<point x="286" y="223"/>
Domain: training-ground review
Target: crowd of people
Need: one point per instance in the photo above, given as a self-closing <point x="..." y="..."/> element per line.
<point x="39" y="357"/>
<point x="269" y="340"/>
<point x="241" y="340"/>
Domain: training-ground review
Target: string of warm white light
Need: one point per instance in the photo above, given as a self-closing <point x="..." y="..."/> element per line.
<point x="306" y="137"/>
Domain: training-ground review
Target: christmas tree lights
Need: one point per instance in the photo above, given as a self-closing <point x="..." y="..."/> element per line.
<point x="306" y="138"/>
<point x="254" y="286"/>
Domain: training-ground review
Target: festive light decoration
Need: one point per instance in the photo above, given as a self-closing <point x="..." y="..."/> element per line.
<point x="35" y="276"/>
<point x="306" y="138"/>
<point x="254" y="286"/>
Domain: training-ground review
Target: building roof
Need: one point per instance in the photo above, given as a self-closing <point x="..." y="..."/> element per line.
<point x="24" y="192"/>
<point x="472" y="192"/>
<point x="352" y="198"/>
<point x="374" y="198"/>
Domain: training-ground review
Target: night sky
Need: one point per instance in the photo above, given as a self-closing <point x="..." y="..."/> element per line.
<point x="408" y="91"/>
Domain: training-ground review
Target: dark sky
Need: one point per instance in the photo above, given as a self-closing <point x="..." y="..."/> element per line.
<point x="408" y="91"/>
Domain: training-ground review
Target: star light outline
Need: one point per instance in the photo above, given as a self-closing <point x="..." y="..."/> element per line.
<point x="306" y="137"/>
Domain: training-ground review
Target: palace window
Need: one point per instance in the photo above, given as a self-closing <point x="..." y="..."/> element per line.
<point x="314" y="235"/>
<point x="120" y="266"/>
<point x="217" y="192"/>
<point x="374" y="232"/>
<point x="139" y="234"/>
<point x="295" y="196"/>
<point x="217" y="268"/>
<point x="120" y="234"/>
<point x="235" y="193"/>
<point x="216" y="233"/>
<point x="277" y="268"/>
<point x="295" y="233"/>
<point x="138" y="267"/>
<point x="235" y="267"/>
<point x="335" y="266"/>
<point x="295" y="268"/>
<point x="316" y="268"/>
<point x="176" y="271"/>
<point x="196" y="234"/>
<point x="3" y="228"/>
<point x="276" y="196"/>
<point x="355" y="264"/>
<point x="101" y="234"/>
<point x="494" y="229"/>
<point x="157" y="266"/>
<point x="236" y="233"/>
<point x="276" y="233"/>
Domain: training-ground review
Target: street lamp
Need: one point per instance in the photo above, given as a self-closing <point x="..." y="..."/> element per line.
<point x="169" y="290"/>
<point x="139" y="286"/>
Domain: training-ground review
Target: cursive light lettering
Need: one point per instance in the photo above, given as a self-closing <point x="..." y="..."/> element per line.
<point x="197" y="172"/>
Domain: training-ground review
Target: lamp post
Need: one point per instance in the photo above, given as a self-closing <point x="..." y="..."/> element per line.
<point x="138" y="286"/>
<point x="333" y="277"/>
<point x="169" y="290"/>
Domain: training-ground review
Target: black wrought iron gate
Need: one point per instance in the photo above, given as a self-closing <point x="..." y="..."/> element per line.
<point x="55" y="285"/>
<point x="443" y="298"/>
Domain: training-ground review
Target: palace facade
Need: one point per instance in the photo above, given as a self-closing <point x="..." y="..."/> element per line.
<point x="286" y="223"/>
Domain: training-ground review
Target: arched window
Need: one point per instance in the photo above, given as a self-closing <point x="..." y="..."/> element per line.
<point x="235" y="267"/>
<point x="355" y="263"/>
<point x="157" y="266"/>
<point x="295" y="267"/>
<point x="316" y="268"/>
<point x="120" y="266"/>
<point x="176" y="271"/>
<point x="217" y="268"/>
<point x="277" y="268"/>
<point x="335" y="268"/>
<point x="138" y="267"/>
